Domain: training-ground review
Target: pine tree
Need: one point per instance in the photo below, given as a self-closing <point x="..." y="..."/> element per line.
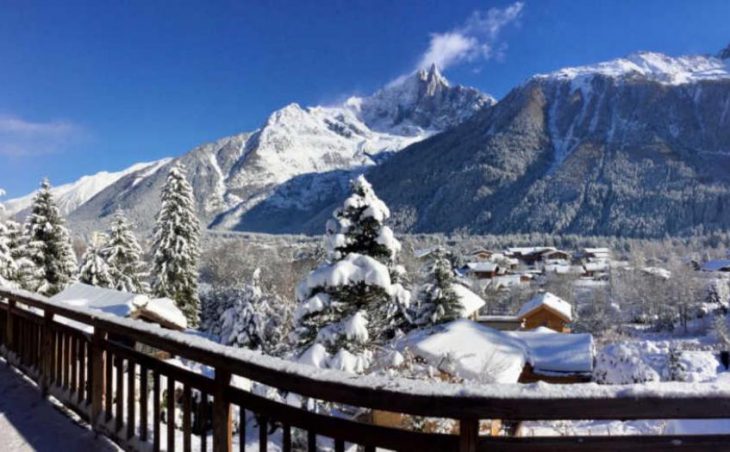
<point x="438" y="302"/>
<point x="123" y="255"/>
<point x="48" y="243"/>
<point x="353" y="302"/>
<point x="8" y="268"/>
<point x="253" y="320"/>
<point x="28" y="275"/>
<point x="94" y="269"/>
<point x="176" y="246"/>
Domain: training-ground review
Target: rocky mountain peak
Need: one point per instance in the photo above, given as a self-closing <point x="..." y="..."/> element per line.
<point x="725" y="53"/>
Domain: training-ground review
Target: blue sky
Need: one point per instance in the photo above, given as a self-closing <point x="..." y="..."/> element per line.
<point x="88" y="86"/>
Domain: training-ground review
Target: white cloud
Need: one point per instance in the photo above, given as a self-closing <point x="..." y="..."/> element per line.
<point x="19" y="137"/>
<point x="477" y="39"/>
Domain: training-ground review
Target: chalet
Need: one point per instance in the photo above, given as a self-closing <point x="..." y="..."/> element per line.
<point x="481" y="270"/>
<point x="481" y="255"/>
<point x="161" y="311"/>
<point x="470" y="301"/>
<point x="472" y="351"/>
<point x="528" y="255"/>
<point x="717" y="265"/>
<point x="546" y="310"/>
<point x="596" y="254"/>
<point x="595" y="269"/>
<point x="556" y="358"/>
<point x="556" y="255"/>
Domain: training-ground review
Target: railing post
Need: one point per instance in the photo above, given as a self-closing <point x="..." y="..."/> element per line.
<point x="97" y="376"/>
<point x="222" y="422"/>
<point x="9" y="326"/>
<point x="468" y="434"/>
<point x="47" y="352"/>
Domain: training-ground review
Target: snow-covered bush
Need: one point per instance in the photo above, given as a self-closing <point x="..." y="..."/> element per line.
<point x="94" y="270"/>
<point x="622" y="364"/>
<point x="353" y="302"/>
<point x="255" y="319"/>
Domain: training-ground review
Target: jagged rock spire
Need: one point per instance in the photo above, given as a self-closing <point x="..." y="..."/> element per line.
<point x="725" y="53"/>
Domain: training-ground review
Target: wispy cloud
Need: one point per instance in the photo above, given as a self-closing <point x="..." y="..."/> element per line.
<point x="20" y="137"/>
<point x="477" y="39"/>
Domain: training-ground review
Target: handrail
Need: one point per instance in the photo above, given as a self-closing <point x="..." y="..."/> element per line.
<point x="466" y="403"/>
<point x="409" y="396"/>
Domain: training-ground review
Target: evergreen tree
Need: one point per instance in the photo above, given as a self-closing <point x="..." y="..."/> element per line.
<point x="255" y="319"/>
<point x="438" y="301"/>
<point x="28" y="275"/>
<point x="353" y="302"/>
<point x="8" y="268"/>
<point x="94" y="269"/>
<point x="48" y="243"/>
<point x="176" y="246"/>
<point x="123" y="255"/>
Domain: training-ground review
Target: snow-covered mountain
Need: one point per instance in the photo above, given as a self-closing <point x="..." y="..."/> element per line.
<point x="638" y="146"/>
<point x="71" y="196"/>
<point x="234" y="174"/>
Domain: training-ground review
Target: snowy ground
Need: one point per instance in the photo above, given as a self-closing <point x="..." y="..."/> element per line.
<point x="27" y="422"/>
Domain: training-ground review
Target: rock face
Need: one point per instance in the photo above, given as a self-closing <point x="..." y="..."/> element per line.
<point x="638" y="146"/>
<point x="234" y="175"/>
<point x="634" y="147"/>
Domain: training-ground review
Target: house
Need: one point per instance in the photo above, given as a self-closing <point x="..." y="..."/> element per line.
<point x="481" y="255"/>
<point x="717" y="265"/>
<point x="161" y="311"/>
<point x="595" y="269"/>
<point x="594" y="254"/>
<point x="481" y="270"/>
<point x="556" y="255"/>
<point x="475" y="352"/>
<point x="529" y="255"/>
<point x="546" y="310"/>
<point x="555" y="357"/>
<point x="470" y="301"/>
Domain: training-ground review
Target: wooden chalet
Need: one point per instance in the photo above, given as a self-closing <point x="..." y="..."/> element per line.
<point x="546" y="310"/>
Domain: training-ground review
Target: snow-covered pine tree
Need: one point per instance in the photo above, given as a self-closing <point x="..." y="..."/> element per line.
<point x="8" y="268"/>
<point x="48" y="243"/>
<point x="438" y="301"/>
<point x="28" y="275"/>
<point x="352" y="303"/>
<point x="176" y="246"/>
<point x="94" y="269"/>
<point x="253" y="320"/>
<point x="124" y="256"/>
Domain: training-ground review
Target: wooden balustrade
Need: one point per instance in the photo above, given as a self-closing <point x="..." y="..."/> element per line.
<point x="92" y="365"/>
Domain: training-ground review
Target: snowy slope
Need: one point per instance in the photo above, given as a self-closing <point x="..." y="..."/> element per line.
<point x="300" y="147"/>
<point x="651" y="66"/>
<point x="72" y="195"/>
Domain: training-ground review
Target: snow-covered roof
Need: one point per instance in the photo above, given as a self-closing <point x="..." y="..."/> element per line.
<point x="596" y="266"/>
<point x="482" y="266"/>
<point x="603" y="251"/>
<point x="469" y="300"/>
<point x="80" y="295"/>
<point x="716" y="265"/>
<point x="121" y="304"/>
<point x="552" y="302"/>
<point x="551" y="352"/>
<point x="527" y="250"/>
<point x="662" y="273"/>
<point x="476" y="352"/>
<point x="163" y="311"/>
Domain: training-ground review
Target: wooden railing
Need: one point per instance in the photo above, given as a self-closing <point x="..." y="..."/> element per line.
<point x="92" y="363"/>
